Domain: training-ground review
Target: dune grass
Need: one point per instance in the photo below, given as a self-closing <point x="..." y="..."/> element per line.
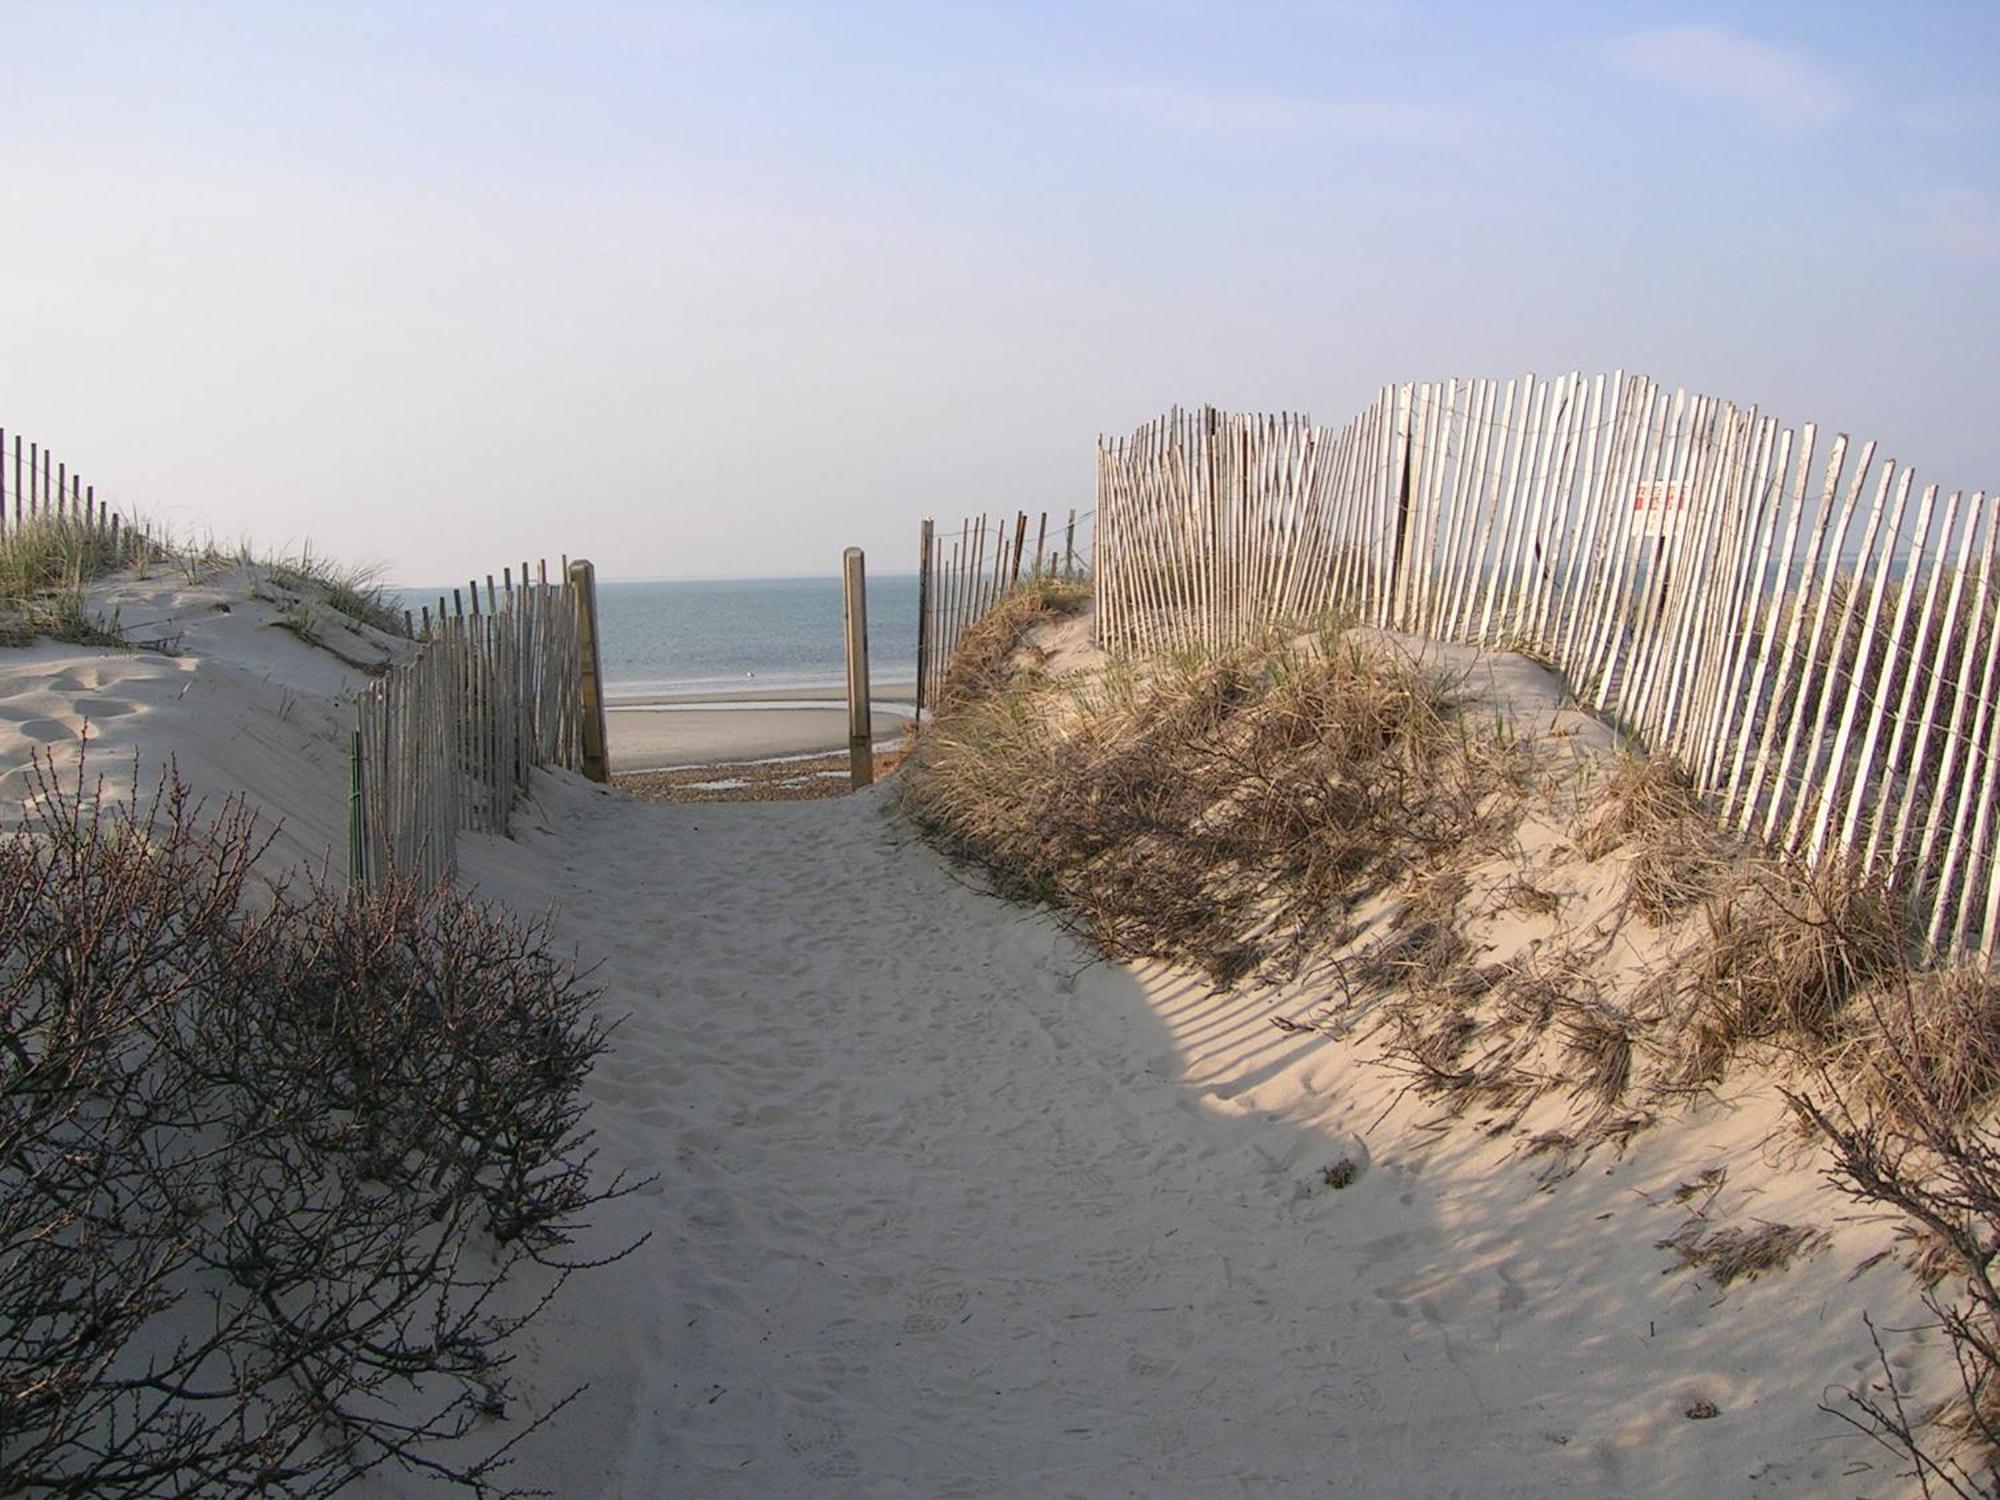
<point x="1226" y="810"/>
<point x="358" y="591"/>
<point x="44" y="564"/>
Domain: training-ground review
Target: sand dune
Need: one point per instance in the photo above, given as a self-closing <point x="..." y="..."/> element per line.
<point x="243" y="705"/>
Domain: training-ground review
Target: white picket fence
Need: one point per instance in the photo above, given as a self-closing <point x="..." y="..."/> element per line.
<point x="1816" y="647"/>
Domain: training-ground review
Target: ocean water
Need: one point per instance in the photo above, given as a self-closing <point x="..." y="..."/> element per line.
<point x="718" y="635"/>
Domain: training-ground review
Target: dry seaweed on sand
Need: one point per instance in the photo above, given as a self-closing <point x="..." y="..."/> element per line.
<point x="1730" y="1255"/>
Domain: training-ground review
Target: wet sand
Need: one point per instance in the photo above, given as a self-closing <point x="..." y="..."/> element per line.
<point x="666" y="731"/>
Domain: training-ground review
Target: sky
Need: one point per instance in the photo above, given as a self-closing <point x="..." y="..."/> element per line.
<point x="718" y="289"/>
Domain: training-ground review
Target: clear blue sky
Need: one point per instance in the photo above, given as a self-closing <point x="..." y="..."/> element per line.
<point x="717" y="289"/>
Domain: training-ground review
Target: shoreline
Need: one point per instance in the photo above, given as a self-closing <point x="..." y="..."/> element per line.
<point x="653" y="733"/>
<point x="900" y="689"/>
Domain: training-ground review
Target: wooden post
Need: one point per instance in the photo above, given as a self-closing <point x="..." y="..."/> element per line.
<point x="596" y="754"/>
<point x="1069" y="546"/>
<point x="1020" y="540"/>
<point x="860" y="732"/>
<point x="357" y="869"/>
<point x="923" y="611"/>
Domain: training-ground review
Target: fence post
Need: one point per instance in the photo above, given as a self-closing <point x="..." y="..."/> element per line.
<point x="860" y="732"/>
<point x="923" y="612"/>
<point x="357" y="842"/>
<point x="590" y="676"/>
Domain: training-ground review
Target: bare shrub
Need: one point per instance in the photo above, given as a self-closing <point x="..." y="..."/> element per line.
<point x="1906" y="1107"/>
<point x="267" y="1166"/>
<point x="1943" y="1171"/>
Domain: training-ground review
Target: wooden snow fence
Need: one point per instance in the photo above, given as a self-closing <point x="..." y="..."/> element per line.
<point x="38" y="489"/>
<point x="448" y="739"/>
<point x="963" y="574"/>
<point x="1815" y="638"/>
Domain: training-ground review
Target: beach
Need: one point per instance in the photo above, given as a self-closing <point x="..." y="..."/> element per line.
<point x="661" y="731"/>
<point x="923" y="1197"/>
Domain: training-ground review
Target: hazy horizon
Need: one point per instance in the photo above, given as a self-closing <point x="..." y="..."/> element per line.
<point x="712" y="291"/>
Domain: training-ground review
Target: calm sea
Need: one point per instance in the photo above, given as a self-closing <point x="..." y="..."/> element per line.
<point x="714" y="635"/>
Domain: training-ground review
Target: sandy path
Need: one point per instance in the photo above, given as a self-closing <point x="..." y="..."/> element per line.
<point x="938" y="1217"/>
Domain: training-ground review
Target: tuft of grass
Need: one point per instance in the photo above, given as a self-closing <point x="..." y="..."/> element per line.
<point x="1783" y="948"/>
<point x="44" y="564"/>
<point x="297" y="617"/>
<point x="46" y="556"/>
<point x="1928" y="1040"/>
<point x="1597" y="1043"/>
<point x="355" y="590"/>
<point x="985" y="651"/>
<point x="1679" y="855"/>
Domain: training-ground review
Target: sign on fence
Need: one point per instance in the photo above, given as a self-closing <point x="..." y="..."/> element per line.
<point x="1657" y="508"/>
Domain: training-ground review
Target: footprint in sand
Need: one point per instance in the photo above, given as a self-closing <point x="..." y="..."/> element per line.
<point x="1086" y="1183"/>
<point x="873" y="1223"/>
<point x="844" y="1347"/>
<point x="1118" y="1270"/>
<point x="104" y="708"/>
<point x="722" y="1456"/>
<point x="47" y="731"/>
<point x="937" y="1309"/>
<point x="1151" y="1367"/>
<point x="811" y="1438"/>
<point x="839" y="1464"/>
